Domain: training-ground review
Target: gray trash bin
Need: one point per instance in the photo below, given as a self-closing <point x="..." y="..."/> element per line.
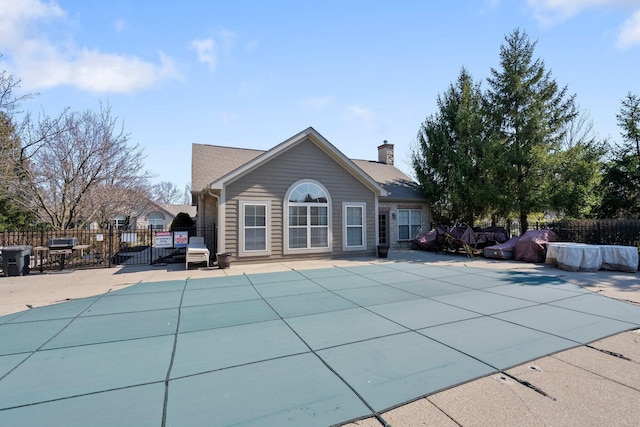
<point x="15" y="260"/>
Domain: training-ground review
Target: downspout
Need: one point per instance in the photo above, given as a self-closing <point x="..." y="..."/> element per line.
<point x="219" y="232"/>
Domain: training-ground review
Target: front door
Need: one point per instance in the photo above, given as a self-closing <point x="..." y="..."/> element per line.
<point x="383" y="228"/>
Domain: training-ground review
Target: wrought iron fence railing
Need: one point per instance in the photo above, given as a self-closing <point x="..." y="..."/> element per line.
<point x="624" y="232"/>
<point x="103" y="248"/>
<point x="597" y="232"/>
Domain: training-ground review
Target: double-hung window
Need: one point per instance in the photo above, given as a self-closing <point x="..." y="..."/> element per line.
<point x="409" y="222"/>
<point x="354" y="215"/>
<point x="119" y="222"/>
<point x="254" y="231"/>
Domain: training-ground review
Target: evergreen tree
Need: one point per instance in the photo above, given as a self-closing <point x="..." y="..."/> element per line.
<point x="629" y="122"/>
<point x="528" y="114"/>
<point x="621" y="181"/>
<point x="450" y="158"/>
<point x="577" y="171"/>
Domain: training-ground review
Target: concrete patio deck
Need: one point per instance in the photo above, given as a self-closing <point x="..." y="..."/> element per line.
<point x="482" y="318"/>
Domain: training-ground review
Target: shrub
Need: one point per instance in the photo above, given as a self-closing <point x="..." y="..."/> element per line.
<point x="182" y="220"/>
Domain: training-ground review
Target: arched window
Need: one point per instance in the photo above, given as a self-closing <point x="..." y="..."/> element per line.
<point x="156" y="221"/>
<point x="308" y="217"/>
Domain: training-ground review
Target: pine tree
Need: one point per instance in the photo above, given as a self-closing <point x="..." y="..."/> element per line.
<point x="450" y="162"/>
<point x="629" y="122"/>
<point x="528" y="114"/>
<point x="621" y="182"/>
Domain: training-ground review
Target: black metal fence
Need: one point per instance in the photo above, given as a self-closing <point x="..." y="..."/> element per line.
<point x="106" y="248"/>
<point x="624" y="232"/>
<point x="596" y="232"/>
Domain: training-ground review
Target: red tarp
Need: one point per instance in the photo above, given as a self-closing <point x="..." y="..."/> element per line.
<point x="503" y="250"/>
<point x="531" y="246"/>
<point x="446" y="238"/>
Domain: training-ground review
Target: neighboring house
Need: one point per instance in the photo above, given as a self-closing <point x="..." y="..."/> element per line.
<point x="159" y="217"/>
<point x="303" y="198"/>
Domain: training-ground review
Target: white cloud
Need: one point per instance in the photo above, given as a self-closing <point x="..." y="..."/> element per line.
<point x="552" y="12"/>
<point x="16" y="17"/>
<point x="630" y="31"/>
<point x="206" y="51"/>
<point x="28" y="51"/>
<point x="368" y="117"/>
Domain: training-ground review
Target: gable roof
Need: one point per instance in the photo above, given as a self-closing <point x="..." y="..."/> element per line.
<point x="210" y="162"/>
<point x="174" y="210"/>
<point x="321" y="142"/>
<point x="212" y="166"/>
<point x="392" y="179"/>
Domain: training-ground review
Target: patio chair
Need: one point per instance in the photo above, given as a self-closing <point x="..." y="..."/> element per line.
<point x="197" y="251"/>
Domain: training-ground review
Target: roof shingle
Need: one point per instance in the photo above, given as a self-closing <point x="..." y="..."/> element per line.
<point x="210" y="162"/>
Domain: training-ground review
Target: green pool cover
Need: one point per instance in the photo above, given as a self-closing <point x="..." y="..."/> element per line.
<point x="313" y="347"/>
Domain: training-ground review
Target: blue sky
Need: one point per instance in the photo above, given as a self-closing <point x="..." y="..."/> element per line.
<point x="253" y="73"/>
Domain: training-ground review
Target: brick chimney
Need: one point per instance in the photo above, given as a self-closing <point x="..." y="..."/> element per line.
<point x="385" y="153"/>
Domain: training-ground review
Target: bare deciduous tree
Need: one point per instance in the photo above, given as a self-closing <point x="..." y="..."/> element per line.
<point x="186" y="198"/>
<point x="9" y="141"/>
<point x="167" y="193"/>
<point x="74" y="169"/>
<point x="106" y="201"/>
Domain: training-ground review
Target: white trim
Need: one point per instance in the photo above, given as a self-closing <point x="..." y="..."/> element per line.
<point x="159" y="216"/>
<point x="410" y="223"/>
<point x="222" y="223"/>
<point x="321" y="142"/>
<point x="363" y="206"/>
<point x="285" y="221"/>
<point x="242" y="252"/>
<point x="376" y="214"/>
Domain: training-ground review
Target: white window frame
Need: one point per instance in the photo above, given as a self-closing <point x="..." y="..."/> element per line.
<point x="158" y="216"/>
<point x="410" y="223"/>
<point x="285" y="220"/>
<point x="242" y="252"/>
<point x="119" y="222"/>
<point x="345" y="226"/>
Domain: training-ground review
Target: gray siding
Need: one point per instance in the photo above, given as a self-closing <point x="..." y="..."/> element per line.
<point x="392" y="208"/>
<point x="272" y="180"/>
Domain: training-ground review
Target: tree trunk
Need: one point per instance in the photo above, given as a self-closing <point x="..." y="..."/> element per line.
<point x="524" y="224"/>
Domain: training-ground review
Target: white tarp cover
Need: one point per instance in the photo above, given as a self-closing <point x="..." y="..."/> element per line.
<point x="552" y="251"/>
<point x="619" y="258"/>
<point x="579" y="257"/>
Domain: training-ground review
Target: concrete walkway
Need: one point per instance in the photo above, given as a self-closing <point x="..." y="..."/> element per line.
<point x="595" y="384"/>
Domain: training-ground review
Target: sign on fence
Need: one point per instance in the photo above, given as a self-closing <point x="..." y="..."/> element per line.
<point x="180" y="239"/>
<point x="163" y="239"/>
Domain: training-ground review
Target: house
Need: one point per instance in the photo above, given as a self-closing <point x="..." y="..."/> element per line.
<point x="303" y="198"/>
<point x="156" y="216"/>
